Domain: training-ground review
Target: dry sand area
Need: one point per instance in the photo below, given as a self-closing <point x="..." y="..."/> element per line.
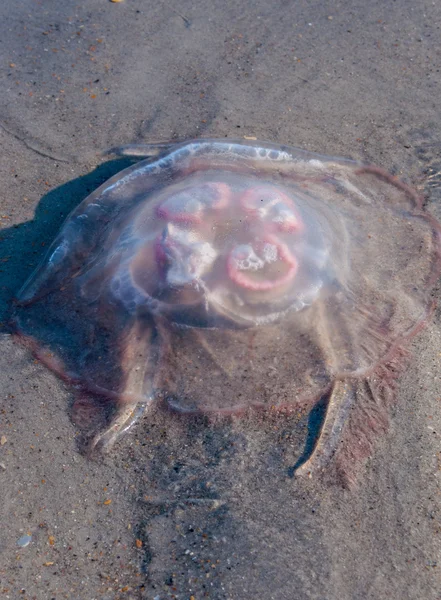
<point x="190" y="510"/>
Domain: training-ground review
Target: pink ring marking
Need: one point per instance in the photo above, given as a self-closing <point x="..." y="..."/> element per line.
<point x="240" y="278"/>
<point x="224" y="195"/>
<point x="256" y="198"/>
<point x="170" y="213"/>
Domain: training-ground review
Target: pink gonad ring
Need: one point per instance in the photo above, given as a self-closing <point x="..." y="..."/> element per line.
<point x="189" y="204"/>
<point x="261" y="266"/>
<point x="270" y="204"/>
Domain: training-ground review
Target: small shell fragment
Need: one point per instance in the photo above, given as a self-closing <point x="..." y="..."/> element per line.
<point x="24" y="541"/>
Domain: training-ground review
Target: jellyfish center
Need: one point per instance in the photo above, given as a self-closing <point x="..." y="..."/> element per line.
<point x="218" y="244"/>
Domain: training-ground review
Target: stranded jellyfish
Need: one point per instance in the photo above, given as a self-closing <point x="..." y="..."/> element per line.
<point x="220" y="276"/>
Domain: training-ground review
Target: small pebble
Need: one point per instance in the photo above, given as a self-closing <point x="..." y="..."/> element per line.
<point x="24" y="541"/>
<point x="3" y="440"/>
<point x="2" y="466"/>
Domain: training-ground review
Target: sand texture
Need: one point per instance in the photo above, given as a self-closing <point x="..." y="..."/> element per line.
<point x="186" y="509"/>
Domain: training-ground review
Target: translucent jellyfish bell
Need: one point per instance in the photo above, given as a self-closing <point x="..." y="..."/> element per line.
<point x="187" y="277"/>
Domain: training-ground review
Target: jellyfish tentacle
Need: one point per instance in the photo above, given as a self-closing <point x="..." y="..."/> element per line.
<point x="341" y="399"/>
<point x="138" y="362"/>
<point x="127" y="415"/>
<point x="140" y="150"/>
<point x="211" y="353"/>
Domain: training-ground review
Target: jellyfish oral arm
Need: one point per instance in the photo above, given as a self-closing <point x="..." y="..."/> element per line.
<point x="138" y="365"/>
<point x="341" y="398"/>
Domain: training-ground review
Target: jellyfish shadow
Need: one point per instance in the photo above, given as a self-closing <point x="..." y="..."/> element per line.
<point x="316" y="418"/>
<point x="23" y="246"/>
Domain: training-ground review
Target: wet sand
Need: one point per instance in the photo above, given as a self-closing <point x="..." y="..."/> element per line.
<point x="185" y="509"/>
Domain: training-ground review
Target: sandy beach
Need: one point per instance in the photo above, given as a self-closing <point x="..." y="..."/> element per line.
<point x="186" y="510"/>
